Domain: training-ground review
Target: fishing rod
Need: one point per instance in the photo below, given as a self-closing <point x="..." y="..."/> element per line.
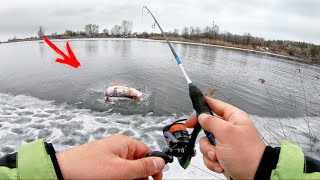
<point x="175" y="133"/>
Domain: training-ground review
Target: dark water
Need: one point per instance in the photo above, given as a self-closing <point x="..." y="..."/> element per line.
<point x="29" y="68"/>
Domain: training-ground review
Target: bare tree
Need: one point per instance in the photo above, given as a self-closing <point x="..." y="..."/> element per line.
<point x="309" y="52"/>
<point x="116" y="30"/>
<point x="81" y="33"/>
<point x="247" y="38"/>
<point x="211" y="32"/>
<point x="312" y="51"/>
<point x="126" y="27"/>
<point x="176" y="32"/>
<point x="214" y="31"/>
<point x="70" y="33"/>
<point x="185" y="32"/>
<point x="40" y="32"/>
<point x="105" y="32"/>
<point x="206" y="31"/>
<point x="91" y="29"/>
<point x="226" y="36"/>
<point x="145" y="34"/>
<point x="192" y="31"/>
<point x="198" y="32"/>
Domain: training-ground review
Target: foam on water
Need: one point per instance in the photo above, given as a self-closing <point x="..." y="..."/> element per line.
<point x="25" y="118"/>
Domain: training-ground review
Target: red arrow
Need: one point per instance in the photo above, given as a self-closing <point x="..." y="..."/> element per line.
<point x="70" y="60"/>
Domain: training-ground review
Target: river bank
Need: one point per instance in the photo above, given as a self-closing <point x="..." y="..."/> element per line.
<point x="240" y="49"/>
<point x="219" y="44"/>
<point x="201" y="42"/>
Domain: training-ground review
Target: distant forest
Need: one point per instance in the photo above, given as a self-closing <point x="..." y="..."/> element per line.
<point x="210" y="34"/>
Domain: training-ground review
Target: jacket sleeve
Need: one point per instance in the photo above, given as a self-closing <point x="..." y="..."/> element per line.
<point x="32" y="162"/>
<point x="8" y="173"/>
<point x="288" y="162"/>
<point x="291" y="164"/>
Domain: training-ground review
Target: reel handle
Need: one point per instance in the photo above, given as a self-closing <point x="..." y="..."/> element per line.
<point x="164" y="156"/>
<point x="201" y="106"/>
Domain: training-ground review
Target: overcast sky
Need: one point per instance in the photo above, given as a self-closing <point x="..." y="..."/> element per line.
<point x="271" y="19"/>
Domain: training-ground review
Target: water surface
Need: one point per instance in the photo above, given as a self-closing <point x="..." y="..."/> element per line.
<point x="29" y="68"/>
<point x="40" y="98"/>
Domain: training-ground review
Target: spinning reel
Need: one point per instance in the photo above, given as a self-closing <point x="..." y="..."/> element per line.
<point x="178" y="141"/>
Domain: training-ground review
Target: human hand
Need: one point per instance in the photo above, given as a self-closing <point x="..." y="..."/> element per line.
<point x="239" y="147"/>
<point x="114" y="157"/>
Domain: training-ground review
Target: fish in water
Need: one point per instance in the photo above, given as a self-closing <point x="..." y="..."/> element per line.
<point x="117" y="92"/>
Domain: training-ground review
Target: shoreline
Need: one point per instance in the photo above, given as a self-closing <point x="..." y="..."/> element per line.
<point x="289" y="58"/>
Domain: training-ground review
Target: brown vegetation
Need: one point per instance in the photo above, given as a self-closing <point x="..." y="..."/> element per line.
<point x="302" y="51"/>
<point x="306" y="52"/>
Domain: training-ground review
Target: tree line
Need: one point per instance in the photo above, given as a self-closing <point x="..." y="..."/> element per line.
<point x="92" y="30"/>
<point x="209" y="34"/>
<point x="212" y="35"/>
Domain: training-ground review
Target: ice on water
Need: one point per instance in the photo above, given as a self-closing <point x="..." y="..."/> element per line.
<point x="25" y="118"/>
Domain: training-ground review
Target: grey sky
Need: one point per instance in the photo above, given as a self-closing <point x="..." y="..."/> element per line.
<point x="272" y="19"/>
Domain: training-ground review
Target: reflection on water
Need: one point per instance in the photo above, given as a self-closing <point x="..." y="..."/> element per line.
<point x="150" y="67"/>
<point x="91" y="47"/>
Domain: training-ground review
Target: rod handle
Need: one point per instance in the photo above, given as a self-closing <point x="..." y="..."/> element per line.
<point x="200" y="106"/>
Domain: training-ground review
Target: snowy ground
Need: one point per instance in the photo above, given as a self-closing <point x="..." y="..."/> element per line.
<point x="24" y="119"/>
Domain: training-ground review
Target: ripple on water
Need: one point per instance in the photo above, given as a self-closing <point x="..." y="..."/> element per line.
<point x="51" y="111"/>
<point x="24" y="113"/>
<point x="146" y="138"/>
<point x="101" y="120"/>
<point x="138" y="123"/>
<point x="75" y="138"/>
<point x="21" y="107"/>
<point x="122" y="121"/>
<point x="69" y="142"/>
<point x="160" y="120"/>
<point x="29" y="140"/>
<point x="113" y="130"/>
<point x="9" y="108"/>
<point x="37" y="126"/>
<point x="128" y="133"/>
<point x="7" y="149"/>
<point x="17" y="130"/>
<point x="41" y="115"/>
<point x="6" y="113"/>
<point x="98" y="134"/>
<point x="152" y="128"/>
<point x="65" y="117"/>
<point x="70" y="127"/>
<point x="45" y="133"/>
<point x="22" y="120"/>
